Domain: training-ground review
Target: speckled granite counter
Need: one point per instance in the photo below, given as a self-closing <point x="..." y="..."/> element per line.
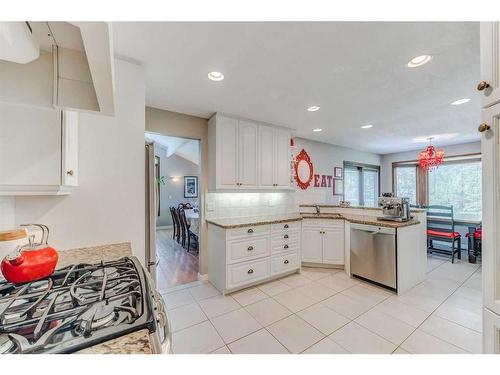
<point x="355" y="207"/>
<point x="238" y="222"/>
<point x="133" y="343"/>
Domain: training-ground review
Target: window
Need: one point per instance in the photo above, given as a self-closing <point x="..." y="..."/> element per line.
<point x="361" y="184"/>
<point x="406" y="182"/>
<point x="457" y="184"/>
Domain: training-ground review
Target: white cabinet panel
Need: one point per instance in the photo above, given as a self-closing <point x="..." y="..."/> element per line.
<point x="69" y="148"/>
<point x="311" y="245"/>
<point x="227" y="150"/>
<point x="490" y="62"/>
<point x="30" y="146"/>
<point x="266" y="156"/>
<point x="491" y="332"/>
<point x="247" y="154"/>
<point x="333" y="245"/>
<point x="282" y="159"/>
<point x="244" y="273"/>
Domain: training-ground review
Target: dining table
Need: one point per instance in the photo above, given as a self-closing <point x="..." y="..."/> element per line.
<point x="193" y="219"/>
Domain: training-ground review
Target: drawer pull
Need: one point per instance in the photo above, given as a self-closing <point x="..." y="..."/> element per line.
<point x="250" y="271"/>
<point x="285" y="236"/>
<point x="286" y="261"/>
<point x="250" y="248"/>
<point x="250" y="230"/>
<point x="285" y="226"/>
<point x="285" y="247"/>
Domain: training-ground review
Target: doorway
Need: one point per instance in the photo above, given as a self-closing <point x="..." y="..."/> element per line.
<point x="173" y="217"/>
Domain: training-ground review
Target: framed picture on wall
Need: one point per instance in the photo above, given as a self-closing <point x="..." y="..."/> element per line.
<point x="190" y="187"/>
<point x="337" y="172"/>
<point x="338" y="187"/>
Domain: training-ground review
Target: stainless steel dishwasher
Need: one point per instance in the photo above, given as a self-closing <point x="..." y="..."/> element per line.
<point x="373" y="254"/>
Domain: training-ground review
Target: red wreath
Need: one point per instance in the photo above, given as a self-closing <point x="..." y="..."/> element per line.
<point x="303" y="156"/>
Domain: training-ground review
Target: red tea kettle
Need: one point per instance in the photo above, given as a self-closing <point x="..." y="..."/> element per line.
<point x="30" y="262"/>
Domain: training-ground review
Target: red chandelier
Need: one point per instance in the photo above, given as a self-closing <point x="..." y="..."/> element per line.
<point x="430" y="157"/>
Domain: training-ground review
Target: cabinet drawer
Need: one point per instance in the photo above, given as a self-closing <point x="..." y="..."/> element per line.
<point x="247" y="249"/>
<point x="278" y="247"/>
<point x="248" y="232"/>
<point x="248" y="272"/>
<point x="289" y="226"/>
<point x="284" y="263"/>
<point x="290" y="236"/>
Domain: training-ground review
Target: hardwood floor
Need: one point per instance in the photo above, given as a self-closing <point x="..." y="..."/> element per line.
<point x="176" y="265"/>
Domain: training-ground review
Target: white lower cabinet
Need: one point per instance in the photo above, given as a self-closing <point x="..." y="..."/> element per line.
<point x="323" y="241"/>
<point x="244" y="256"/>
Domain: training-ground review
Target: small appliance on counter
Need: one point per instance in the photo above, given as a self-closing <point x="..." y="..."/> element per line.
<point x="80" y="306"/>
<point x="394" y="208"/>
<point x="32" y="261"/>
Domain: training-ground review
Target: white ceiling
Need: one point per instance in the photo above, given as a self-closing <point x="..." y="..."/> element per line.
<point x="188" y="149"/>
<point x="356" y="73"/>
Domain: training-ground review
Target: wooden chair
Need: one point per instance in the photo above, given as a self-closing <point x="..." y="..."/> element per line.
<point x="187" y="234"/>
<point x="441" y="227"/>
<point x="175" y="232"/>
<point x="177" y="221"/>
<point x="185" y="206"/>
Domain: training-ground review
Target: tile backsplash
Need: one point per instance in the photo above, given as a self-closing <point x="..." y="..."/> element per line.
<point x="227" y="205"/>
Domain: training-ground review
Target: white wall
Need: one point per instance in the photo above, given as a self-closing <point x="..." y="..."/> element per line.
<point x="325" y="157"/>
<point x="388" y="159"/>
<point x="108" y="206"/>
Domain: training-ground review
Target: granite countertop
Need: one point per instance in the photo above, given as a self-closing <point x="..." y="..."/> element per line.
<point x="355" y="207"/>
<point x="132" y="343"/>
<point x="238" y="222"/>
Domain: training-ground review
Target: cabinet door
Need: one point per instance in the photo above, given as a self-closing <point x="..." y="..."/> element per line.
<point x="227" y="153"/>
<point x="267" y="158"/>
<point x="69" y="148"/>
<point x="490" y="62"/>
<point x="30" y="146"/>
<point x="311" y="245"/>
<point x="282" y="164"/>
<point x="247" y="154"/>
<point x="333" y="245"/>
<point x="491" y="208"/>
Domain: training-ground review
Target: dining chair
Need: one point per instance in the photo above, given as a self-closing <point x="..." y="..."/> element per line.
<point x="175" y="232"/>
<point x="178" y="224"/>
<point x="441" y="227"/>
<point x="187" y="233"/>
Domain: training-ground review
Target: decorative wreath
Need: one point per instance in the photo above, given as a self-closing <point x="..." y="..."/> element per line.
<point x="303" y="156"/>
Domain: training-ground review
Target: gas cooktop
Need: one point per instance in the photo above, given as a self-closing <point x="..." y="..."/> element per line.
<point x="76" y="307"/>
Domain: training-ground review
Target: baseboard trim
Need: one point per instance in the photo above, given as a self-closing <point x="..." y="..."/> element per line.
<point x="203" y="276"/>
<point x="165" y="227"/>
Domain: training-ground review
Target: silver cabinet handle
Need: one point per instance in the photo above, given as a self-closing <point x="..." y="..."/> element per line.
<point x="286" y="226"/>
<point x="250" y="271"/>
<point x="250" y="230"/>
<point x="285" y="247"/>
<point x="285" y="236"/>
<point x="286" y="261"/>
<point x="71" y="172"/>
<point x="250" y="248"/>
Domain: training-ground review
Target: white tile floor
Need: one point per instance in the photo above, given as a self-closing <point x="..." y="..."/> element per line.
<point x="324" y="311"/>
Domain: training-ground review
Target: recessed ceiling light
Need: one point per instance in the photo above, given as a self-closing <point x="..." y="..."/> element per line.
<point x="461" y="101"/>
<point x="367" y="126"/>
<point x="419" y="61"/>
<point x="317" y="130"/>
<point x="216" y="76"/>
<point x="313" y="108"/>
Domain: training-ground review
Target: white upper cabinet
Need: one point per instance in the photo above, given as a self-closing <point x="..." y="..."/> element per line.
<point x="37" y="149"/>
<point x="282" y="157"/>
<point x="266" y="156"/>
<point x="247" y="155"/>
<point x="490" y="63"/>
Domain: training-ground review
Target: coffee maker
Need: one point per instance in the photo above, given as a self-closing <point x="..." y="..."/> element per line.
<point x="394" y="208"/>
